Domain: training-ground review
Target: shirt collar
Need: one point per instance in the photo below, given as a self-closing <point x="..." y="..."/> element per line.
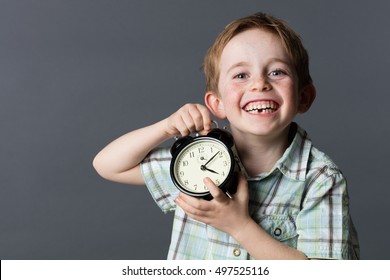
<point x="294" y="161"/>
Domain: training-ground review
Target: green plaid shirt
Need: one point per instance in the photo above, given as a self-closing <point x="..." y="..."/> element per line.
<point x="302" y="202"/>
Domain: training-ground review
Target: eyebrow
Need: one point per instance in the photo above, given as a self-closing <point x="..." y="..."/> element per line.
<point x="238" y="64"/>
<point x="243" y="63"/>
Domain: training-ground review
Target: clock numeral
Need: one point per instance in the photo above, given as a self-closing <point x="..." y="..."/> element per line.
<point x="225" y="163"/>
<point x="192" y="154"/>
<point x="195" y="187"/>
<point x="205" y="188"/>
<point x="217" y="182"/>
<point x="186" y="182"/>
<point x="201" y="150"/>
<point x="181" y="173"/>
<point x="185" y="163"/>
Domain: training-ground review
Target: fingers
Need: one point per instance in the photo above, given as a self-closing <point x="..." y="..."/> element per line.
<point x="190" y="118"/>
<point x="194" y="207"/>
<point x="206" y="120"/>
<point x="196" y="118"/>
<point x="201" y="209"/>
<point x="214" y="212"/>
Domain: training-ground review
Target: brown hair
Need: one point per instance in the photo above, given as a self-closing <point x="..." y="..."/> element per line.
<point x="290" y="40"/>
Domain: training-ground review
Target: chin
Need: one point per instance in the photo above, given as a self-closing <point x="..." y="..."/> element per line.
<point x="262" y="130"/>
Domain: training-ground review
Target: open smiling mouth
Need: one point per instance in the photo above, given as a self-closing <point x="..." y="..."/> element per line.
<point x="261" y="107"/>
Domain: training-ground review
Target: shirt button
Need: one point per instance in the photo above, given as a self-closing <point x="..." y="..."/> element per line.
<point x="236" y="252"/>
<point x="277" y="231"/>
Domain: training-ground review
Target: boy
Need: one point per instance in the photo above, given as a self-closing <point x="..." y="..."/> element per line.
<point x="294" y="205"/>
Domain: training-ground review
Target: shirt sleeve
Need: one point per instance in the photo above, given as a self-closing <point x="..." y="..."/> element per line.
<point x="155" y="170"/>
<point x="324" y="224"/>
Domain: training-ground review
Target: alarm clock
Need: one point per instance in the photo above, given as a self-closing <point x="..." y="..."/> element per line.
<point x="212" y="155"/>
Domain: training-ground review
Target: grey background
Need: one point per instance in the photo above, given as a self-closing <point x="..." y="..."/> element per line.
<point x="74" y="75"/>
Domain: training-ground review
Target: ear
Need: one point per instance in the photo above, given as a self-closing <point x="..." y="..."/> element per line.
<point x="215" y="104"/>
<point x="307" y="97"/>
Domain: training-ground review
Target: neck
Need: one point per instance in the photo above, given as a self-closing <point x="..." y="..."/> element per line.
<point x="260" y="153"/>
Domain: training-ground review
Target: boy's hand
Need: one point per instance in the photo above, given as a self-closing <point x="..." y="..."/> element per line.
<point x="223" y="213"/>
<point x="189" y="118"/>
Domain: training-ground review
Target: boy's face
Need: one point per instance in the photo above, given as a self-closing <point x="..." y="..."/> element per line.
<point x="258" y="86"/>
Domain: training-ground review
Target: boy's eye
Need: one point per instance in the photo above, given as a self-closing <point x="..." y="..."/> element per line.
<point x="241" y="76"/>
<point x="277" y="73"/>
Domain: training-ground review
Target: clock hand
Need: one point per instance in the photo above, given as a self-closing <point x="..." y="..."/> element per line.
<point x="203" y="167"/>
<point x="210" y="159"/>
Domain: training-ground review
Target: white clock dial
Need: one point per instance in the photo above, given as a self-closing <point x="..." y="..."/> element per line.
<point x="204" y="157"/>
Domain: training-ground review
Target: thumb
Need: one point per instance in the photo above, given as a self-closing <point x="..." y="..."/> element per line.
<point x="215" y="191"/>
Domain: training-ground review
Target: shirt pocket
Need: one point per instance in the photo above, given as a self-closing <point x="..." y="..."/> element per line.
<point x="281" y="228"/>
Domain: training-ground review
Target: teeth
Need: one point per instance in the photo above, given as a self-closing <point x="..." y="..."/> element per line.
<point x="261" y="107"/>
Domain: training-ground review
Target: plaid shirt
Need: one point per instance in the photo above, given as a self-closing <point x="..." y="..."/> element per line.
<point x="302" y="202"/>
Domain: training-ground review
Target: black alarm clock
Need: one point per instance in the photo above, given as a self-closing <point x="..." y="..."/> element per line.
<point x="212" y="155"/>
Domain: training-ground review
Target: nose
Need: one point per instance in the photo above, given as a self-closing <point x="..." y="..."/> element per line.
<point x="260" y="84"/>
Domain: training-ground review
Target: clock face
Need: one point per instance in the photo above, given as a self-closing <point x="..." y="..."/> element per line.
<point x="204" y="157"/>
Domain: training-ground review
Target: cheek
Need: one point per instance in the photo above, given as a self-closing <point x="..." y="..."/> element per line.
<point x="290" y="92"/>
<point x="236" y="87"/>
<point x="231" y="93"/>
